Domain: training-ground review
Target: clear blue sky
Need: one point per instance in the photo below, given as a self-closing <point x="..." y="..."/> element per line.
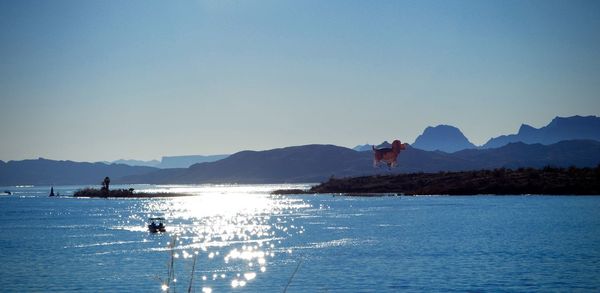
<point x="103" y="80"/>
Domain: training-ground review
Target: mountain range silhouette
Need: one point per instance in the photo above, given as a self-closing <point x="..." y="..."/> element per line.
<point x="449" y="139"/>
<point x="315" y="163"/>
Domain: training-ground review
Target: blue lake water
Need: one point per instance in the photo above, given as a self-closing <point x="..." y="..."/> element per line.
<point x="244" y="240"/>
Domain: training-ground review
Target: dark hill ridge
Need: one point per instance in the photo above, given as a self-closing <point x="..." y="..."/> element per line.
<point x="294" y="164"/>
<point x="47" y="172"/>
<point x="444" y="138"/>
<point x="559" y="129"/>
<point x="316" y="163"/>
<point x="309" y="163"/>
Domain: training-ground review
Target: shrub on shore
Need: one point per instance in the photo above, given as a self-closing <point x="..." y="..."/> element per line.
<point x="93" y="192"/>
<point x="121" y="193"/>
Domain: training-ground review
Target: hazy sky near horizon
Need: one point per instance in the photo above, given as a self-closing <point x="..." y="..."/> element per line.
<point x="103" y="80"/>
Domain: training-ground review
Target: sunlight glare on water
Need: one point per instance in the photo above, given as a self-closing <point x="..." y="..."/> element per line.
<point x="232" y="227"/>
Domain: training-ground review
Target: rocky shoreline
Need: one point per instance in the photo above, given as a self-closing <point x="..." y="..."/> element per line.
<point x="546" y="181"/>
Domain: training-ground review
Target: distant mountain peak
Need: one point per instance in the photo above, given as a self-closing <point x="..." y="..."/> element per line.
<point x="384" y="144"/>
<point x="363" y="147"/>
<point x="444" y="138"/>
<point x="559" y="129"/>
<point x="524" y="129"/>
<point x="579" y="118"/>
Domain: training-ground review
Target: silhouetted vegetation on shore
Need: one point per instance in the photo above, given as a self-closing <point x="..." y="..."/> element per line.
<point x="549" y="180"/>
<point x="93" y="192"/>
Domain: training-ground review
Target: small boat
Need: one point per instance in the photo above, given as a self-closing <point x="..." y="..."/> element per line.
<point x="8" y="192"/>
<point x="153" y="227"/>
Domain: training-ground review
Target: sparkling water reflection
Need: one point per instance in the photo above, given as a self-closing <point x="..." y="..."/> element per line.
<point x="241" y="239"/>
<point x="233" y="230"/>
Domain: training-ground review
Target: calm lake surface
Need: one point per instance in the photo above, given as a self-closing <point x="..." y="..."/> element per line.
<point x="244" y="240"/>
